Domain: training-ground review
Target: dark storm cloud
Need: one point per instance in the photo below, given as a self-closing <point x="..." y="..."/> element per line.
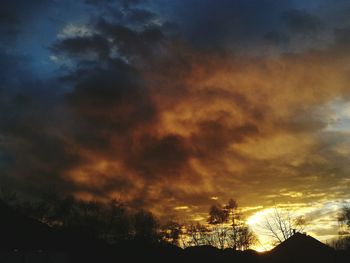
<point x="83" y="45"/>
<point x="13" y="15"/>
<point x="140" y="15"/>
<point x="31" y="145"/>
<point x="132" y="12"/>
<point x="9" y="69"/>
<point x="36" y="154"/>
<point x="276" y="38"/>
<point x="118" y="117"/>
<point x="249" y="26"/>
<point x="98" y="2"/>
<point x="301" y="21"/>
<point x="114" y="37"/>
<point x="112" y="99"/>
<point x="220" y="24"/>
<point x="215" y="136"/>
<point x="9" y="19"/>
<point x="158" y="158"/>
<point x="111" y="105"/>
<point x="129" y="3"/>
<point x="342" y="37"/>
<point x="143" y="44"/>
<point x="162" y="121"/>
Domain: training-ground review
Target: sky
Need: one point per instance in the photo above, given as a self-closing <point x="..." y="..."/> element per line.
<point x="173" y="105"/>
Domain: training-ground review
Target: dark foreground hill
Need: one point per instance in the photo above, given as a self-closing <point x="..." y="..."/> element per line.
<point x="23" y="239"/>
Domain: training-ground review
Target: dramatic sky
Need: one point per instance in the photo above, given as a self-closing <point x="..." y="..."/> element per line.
<point x="172" y="105"/>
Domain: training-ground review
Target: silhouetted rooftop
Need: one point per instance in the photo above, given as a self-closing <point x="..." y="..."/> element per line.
<point x="302" y="248"/>
<point x="301" y="242"/>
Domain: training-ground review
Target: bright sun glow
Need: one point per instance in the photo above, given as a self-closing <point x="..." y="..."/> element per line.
<point x="256" y="222"/>
<point x="320" y="218"/>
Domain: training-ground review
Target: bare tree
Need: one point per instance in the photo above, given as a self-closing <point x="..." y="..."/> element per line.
<point x="344" y="219"/>
<point x="228" y="227"/>
<point x="282" y="224"/>
<point x="340" y="243"/>
<point x="240" y="236"/>
<point x="218" y="219"/>
<point x="198" y="235"/>
<point x="171" y="232"/>
<point x="243" y="238"/>
<point x="343" y="239"/>
<point x="220" y="235"/>
<point x="145" y="226"/>
<point x="118" y="225"/>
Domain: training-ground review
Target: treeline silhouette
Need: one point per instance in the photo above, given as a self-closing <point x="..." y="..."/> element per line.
<point x="73" y="230"/>
<point x="110" y="221"/>
<point x="114" y="222"/>
<point x="343" y="241"/>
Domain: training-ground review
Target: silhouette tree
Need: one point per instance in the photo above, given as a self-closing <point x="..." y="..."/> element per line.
<point x="218" y="219"/>
<point x="171" y="232"/>
<point x="282" y="224"/>
<point x="145" y="227"/>
<point x="344" y="217"/>
<point x="218" y="215"/>
<point x="198" y="235"/>
<point x="228" y="227"/>
<point x="343" y="240"/>
<point x="114" y="222"/>
<point x="118" y="225"/>
<point x="240" y="237"/>
<point x="111" y="221"/>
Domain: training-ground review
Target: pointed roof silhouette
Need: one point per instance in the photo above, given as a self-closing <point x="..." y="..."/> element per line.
<point x="301" y="247"/>
<point x="301" y="242"/>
